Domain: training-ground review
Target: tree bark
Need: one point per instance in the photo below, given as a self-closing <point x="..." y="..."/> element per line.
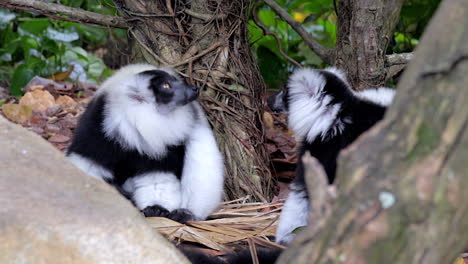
<point x="365" y="27"/>
<point x="403" y="185"/>
<point x="206" y="42"/>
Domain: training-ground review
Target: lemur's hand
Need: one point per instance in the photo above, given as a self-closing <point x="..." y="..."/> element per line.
<point x="155" y="210"/>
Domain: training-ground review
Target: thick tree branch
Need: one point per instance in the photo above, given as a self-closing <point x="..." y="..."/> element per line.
<point x="365" y="28"/>
<point x="323" y="53"/>
<point x="395" y="63"/>
<point x="399" y="59"/>
<point x="65" y="13"/>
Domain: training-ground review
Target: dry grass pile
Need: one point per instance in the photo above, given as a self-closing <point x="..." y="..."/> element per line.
<point x="236" y="224"/>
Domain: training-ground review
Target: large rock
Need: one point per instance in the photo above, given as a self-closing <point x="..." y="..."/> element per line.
<point x="50" y="212"/>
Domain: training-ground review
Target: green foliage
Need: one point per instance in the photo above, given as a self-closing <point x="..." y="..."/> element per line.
<point x="32" y="44"/>
<point x="319" y="19"/>
<point x="298" y="229"/>
<point x="414" y="17"/>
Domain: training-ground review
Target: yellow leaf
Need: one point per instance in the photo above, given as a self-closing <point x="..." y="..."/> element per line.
<point x="17" y="113"/>
<point x="268" y="120"/>
<point x="299" y="17"/>
<point x="61" y="76"/>
<point x="38" y="100"/>
<point x="459" y="261"/>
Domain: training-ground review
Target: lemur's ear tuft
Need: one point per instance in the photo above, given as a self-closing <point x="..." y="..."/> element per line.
<point x="306" y="82"/>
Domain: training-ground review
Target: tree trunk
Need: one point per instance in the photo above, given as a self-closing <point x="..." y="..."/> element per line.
<point x="403" y="185"/>
<point x="365" y="27"/>
<point x="206" y="41"/>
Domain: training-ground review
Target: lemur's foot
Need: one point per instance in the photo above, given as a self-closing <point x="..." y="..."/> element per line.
<point x="181" y="215"/>
<point x="155" y="210"/>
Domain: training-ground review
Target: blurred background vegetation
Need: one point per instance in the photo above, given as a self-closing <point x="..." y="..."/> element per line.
<point x="32" y="44"/>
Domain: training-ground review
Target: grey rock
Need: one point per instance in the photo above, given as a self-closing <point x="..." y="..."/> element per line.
<point x="51" y="212"/>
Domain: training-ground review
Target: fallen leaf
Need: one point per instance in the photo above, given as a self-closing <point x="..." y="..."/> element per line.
<point x="268" y="120"/>
<point x="38" y="100"/>
<point x="35" y="87"/>
<point x="17" y="113"/>
<point x="54" y="87"/>
<point x="37" y="130"/>
<point x="59" y="138"/>
<point x="459" y="261"/>
<point x="53" y="110"/>
<point x="52" y="128"/>
<point x="61" y="76"/>
<point x="66" y="100"/>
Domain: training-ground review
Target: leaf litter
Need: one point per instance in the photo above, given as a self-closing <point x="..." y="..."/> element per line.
<point x="49" y="108"/>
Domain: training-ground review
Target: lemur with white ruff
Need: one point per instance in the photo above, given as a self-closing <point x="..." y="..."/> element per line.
<point x="144" y="133"/>
<point x="326" y="115"/>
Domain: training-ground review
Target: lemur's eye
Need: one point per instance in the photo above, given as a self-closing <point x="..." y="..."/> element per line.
<point x="166" y="86"/>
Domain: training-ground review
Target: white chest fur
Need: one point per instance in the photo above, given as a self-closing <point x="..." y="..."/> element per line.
<point x="141" y="126"/>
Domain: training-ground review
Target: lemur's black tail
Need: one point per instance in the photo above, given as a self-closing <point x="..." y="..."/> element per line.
<point x="265" y="256"/>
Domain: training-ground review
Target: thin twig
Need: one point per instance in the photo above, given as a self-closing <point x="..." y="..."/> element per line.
<point x="204" y="17"/>
<point x="201" y="54"/>
<point x="253" y="251"/>
<point x="139" y="14"/>
<point x="177" y="21"/>
<point x="164" y="63"/>
<point x="323" y="53"/>
<point x="73" y="14"/>
<point x="278" y="41"/>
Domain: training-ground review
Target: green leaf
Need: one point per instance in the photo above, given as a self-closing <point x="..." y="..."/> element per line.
<point x="269" y="42"/>
<point x="8" y="35"/>
<point x="80" y="52"/>
<point x="76" y="55"/>
<point x="267" y="17"/>
<point x="74" y="3"/>
<point x="11" y="47"/>
<point x="93" y="34"/>
<point x="35" y="26"/>
<point x="95" y="67"/>
<point x="29" y="43"/>
<point x="255" y="33"/>
<point x="5" y="56"/>
<point x="310" y="57"/>
<point x="5" y="17"/>
<point x="297" y="229"/>
<point x="272" y="68"/>
<point x="37" y="65"/>
<point x="50" y="46"/>
<point x="106" y="73"/>
<point x="319" y="7"/>
<point x="21" y="76"/>
<point x="65" y="36"/>
<point x="297" y="4"/>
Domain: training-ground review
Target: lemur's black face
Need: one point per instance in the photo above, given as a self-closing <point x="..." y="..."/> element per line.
<point x="169" y="90"/>
<point x="279" y="102"/>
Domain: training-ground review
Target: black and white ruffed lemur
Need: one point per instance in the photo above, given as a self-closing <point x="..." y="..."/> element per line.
<point x="326" y="115"/>
<point x="144" y="133"/>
